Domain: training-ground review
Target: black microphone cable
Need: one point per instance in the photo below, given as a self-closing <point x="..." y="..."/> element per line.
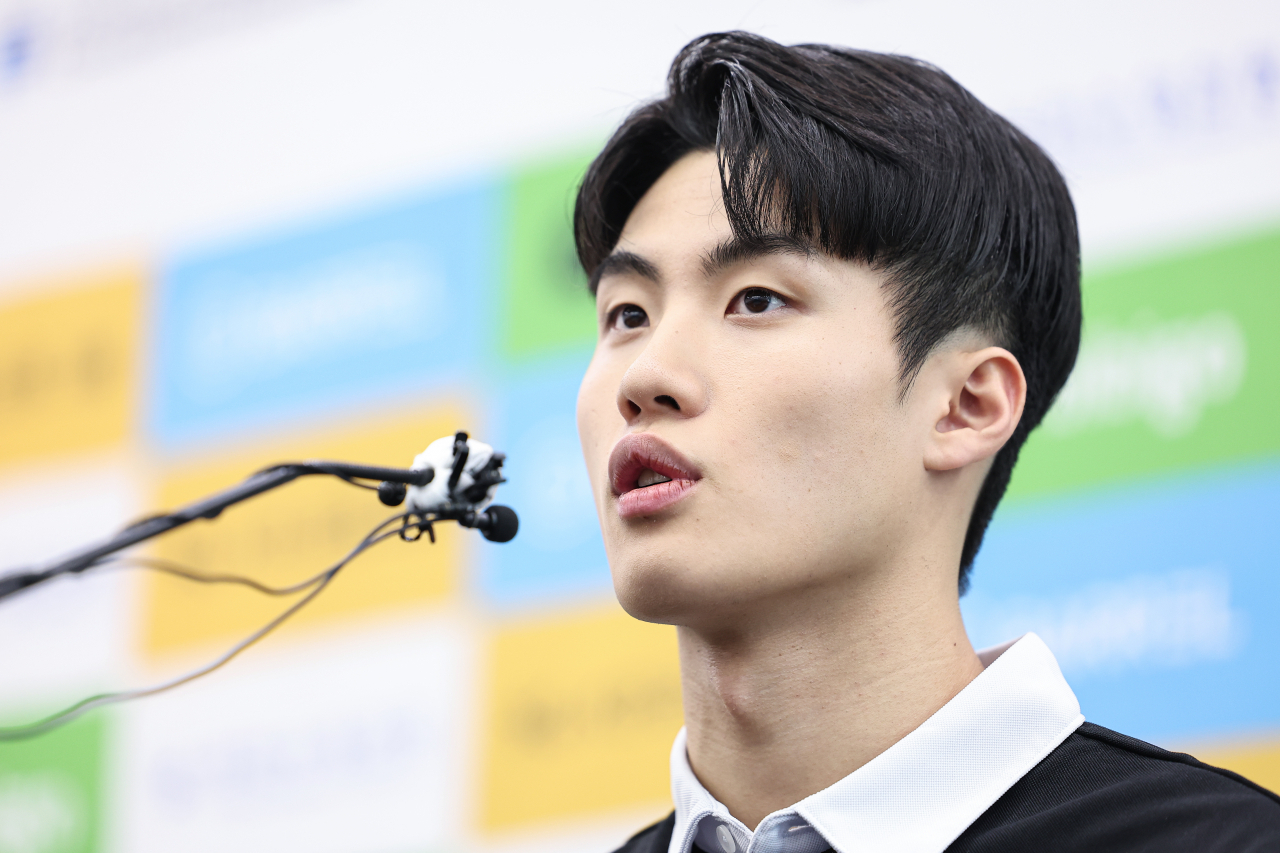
<point x="169" y="567"/>
<point x="316" y="584"/>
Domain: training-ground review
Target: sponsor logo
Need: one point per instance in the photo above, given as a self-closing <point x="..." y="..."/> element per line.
<point x="1174" y="372"/>
<point x="1162" y="374"/>
<point x="1157" y="600"/>
<point x="51" y="788"/>
<point x="572" y="701"/>
<point x="361" y="735"/>
<point x="357" y="311"/>
<point x="40" y="812"/>
<point x="350" y="300"/>
<point x="67" y="369"/>
<point x="1170" y="620"/>
<point x="1193" y="106"/>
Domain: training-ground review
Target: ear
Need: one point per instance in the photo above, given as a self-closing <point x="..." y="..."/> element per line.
<point x="987" y="393"/>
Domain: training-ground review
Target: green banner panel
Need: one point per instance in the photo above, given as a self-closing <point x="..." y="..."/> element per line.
<point x="545" y="307"/>
<point x="1178" y="369"/>
<point x="51" y="790"/>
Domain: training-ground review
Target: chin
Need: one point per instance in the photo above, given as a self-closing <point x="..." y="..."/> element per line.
<point x="653" y="589"/>
<point x="679" y="585"/>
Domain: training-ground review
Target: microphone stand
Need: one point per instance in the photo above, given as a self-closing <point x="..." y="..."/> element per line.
<point x="391" y="492"/>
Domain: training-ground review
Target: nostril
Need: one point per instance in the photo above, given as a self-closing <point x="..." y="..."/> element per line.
<point x="633" y="408"/>
<point x="667" y="400"/>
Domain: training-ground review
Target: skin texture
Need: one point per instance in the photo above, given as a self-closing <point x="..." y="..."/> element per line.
<point x="811" y="568"/>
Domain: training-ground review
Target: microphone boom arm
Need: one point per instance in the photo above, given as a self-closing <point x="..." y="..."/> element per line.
<point x="208" y="508"/>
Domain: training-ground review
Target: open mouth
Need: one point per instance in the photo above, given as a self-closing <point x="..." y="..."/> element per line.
<point x="648" y="475"/>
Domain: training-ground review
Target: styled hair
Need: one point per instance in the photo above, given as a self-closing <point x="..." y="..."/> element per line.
<point x="880" y="159"/>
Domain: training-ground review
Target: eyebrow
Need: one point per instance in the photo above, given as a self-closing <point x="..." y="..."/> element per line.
<point x="739" y="250"/>
<point x="624" y="262"/>
<point x="735" y="250"/>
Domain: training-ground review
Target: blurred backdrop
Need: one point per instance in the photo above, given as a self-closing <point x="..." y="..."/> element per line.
<point x="235" y="233"/>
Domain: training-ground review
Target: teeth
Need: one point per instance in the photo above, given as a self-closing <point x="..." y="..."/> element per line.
<point x="649" y="477"/>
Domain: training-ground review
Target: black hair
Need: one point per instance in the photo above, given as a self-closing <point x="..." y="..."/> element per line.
<point x="881" y="159"/>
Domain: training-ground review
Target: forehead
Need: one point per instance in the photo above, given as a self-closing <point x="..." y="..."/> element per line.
<point x="681" y="214"/>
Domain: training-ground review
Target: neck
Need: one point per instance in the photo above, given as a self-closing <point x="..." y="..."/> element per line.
<point x="780" y="708"/>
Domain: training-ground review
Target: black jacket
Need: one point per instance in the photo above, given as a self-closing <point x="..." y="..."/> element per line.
<point x="1103" y="792"/>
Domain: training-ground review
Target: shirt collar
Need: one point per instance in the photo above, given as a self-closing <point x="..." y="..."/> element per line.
<point x="919" y="794"/>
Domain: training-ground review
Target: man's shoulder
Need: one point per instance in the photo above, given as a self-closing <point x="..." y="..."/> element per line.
<point x="651" y="839"/>
<point x="1101" y="791"/>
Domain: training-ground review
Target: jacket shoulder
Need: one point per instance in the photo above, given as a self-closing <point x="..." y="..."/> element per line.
<point x="1103" y="791"/>
<point x="651" y="839"/>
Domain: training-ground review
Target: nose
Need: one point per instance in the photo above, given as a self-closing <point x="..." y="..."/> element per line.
<point x="664" y="380"/>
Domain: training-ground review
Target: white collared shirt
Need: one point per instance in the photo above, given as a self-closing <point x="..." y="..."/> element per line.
<point x="919" y="794"/>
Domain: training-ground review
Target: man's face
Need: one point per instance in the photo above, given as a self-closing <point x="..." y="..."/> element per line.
<point x="764" y="387"/>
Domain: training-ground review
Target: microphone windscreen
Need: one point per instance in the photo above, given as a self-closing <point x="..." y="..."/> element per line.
<point x="503" y="524"/>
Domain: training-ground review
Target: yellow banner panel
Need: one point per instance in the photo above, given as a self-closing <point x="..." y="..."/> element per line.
<point x="1257" y="762"/>
<point x="293" y="533"/>
<point x="582" y="713"/>
<point x="68" y="367"/>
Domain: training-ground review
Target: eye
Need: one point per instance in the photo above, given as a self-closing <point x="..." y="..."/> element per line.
<point x="626" y="317"/>
<point x="756" y="300"/>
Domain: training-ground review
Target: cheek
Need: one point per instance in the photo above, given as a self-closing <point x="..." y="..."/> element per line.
<point x="818" y="423"/>
<point x="598" y="418"/>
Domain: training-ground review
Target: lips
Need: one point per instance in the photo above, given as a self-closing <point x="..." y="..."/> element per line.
<point x="640" y="457"/>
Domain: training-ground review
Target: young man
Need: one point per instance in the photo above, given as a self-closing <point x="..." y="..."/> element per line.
<point x="835" y="294"/>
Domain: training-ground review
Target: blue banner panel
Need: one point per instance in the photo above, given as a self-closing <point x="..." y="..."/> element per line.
<point x="347" y="311"/>
<point x="1159" y="602"/>
<point x="558" y="553"/>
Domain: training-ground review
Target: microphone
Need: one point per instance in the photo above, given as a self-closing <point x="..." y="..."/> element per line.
<point x="474" y="472"/>
<point x="498" y="523"/>
<point x="469" y="473"/>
